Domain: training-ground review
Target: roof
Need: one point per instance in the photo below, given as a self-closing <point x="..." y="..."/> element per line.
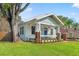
<point x="43" y="16"/>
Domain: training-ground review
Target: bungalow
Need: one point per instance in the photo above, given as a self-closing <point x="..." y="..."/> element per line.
<point x="43" y="26"/>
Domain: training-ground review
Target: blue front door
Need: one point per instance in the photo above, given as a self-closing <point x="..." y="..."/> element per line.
<point x="45" y="31"/>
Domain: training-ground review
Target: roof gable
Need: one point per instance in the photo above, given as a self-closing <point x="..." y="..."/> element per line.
<point x="48" y="21"/>
<point x="38" y="18"/>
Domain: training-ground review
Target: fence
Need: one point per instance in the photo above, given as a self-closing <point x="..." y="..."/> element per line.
<point x="4" y="36"/>
<point x="70" y="33"/>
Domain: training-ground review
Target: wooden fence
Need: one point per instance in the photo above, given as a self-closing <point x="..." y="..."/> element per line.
<point x="70" y="34"/>
<point x="4" y="36"/>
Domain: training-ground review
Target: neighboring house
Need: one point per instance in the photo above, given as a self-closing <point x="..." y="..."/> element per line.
<point x="43" y="26"/>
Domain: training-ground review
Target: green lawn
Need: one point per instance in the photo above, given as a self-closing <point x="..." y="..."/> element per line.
<point x="32" y="49"/>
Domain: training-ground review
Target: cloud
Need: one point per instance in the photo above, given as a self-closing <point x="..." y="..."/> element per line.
<point x="28" y="9"/>
<point x="75" y="5"/>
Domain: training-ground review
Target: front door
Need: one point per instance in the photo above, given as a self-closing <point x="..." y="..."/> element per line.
<point x="45" y="31"/>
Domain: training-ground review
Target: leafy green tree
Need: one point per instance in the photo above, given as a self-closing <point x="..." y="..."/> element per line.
<point x="76" y="25"/>
<point x="12" y="11"/>
<point x="67" y="21"/>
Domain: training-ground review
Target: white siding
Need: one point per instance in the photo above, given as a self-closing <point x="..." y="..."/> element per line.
<point x="48" y="21"/>
<point x="27" y="32"/>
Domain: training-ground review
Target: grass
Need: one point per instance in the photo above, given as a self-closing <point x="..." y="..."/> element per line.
<point x="70" y="48"/>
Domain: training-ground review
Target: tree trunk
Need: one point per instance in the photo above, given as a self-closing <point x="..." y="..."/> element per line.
<point x="11" y="30"/>
<point x="14" y="25"/>
<point x="14" y="32"/>
<point x="15" y="37"/>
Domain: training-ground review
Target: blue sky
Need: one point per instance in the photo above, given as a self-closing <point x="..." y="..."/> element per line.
<point x="70" y="10"/>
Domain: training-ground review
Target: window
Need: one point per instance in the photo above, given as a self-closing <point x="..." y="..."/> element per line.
<point x="56" y="29"/>
<point x="51" y="31"/>
<point x="33" y="29"/>
<point x="22" y="30"/>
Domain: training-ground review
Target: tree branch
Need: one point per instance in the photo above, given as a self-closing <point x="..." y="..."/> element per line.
<point x="18" y="7"/>
<point x="24" y="7"/>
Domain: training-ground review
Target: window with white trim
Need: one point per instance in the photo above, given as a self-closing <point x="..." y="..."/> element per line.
<point x="33" y="30"/>
<point x="21" y="30"/>
<point x="51" y="31"/>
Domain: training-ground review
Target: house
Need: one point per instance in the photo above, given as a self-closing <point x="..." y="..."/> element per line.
<point x="43" y="26"/>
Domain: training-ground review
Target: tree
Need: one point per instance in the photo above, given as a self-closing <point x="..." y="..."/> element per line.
<point x="12" y="11"/>
<point x="67" y="21"/>
<point x="76" y="25"/>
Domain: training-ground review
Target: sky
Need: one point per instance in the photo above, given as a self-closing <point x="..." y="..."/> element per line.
<point x="70" y="10"/>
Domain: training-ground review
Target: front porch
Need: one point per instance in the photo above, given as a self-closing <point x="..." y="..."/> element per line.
<point x="46" y="32"/>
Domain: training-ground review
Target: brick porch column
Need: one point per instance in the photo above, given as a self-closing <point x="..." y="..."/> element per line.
<point x="37" y="33"/>
<point x="65" y="36"/>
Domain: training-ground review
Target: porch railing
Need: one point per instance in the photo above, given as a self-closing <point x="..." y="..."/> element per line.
<point x="50" y="36"/>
